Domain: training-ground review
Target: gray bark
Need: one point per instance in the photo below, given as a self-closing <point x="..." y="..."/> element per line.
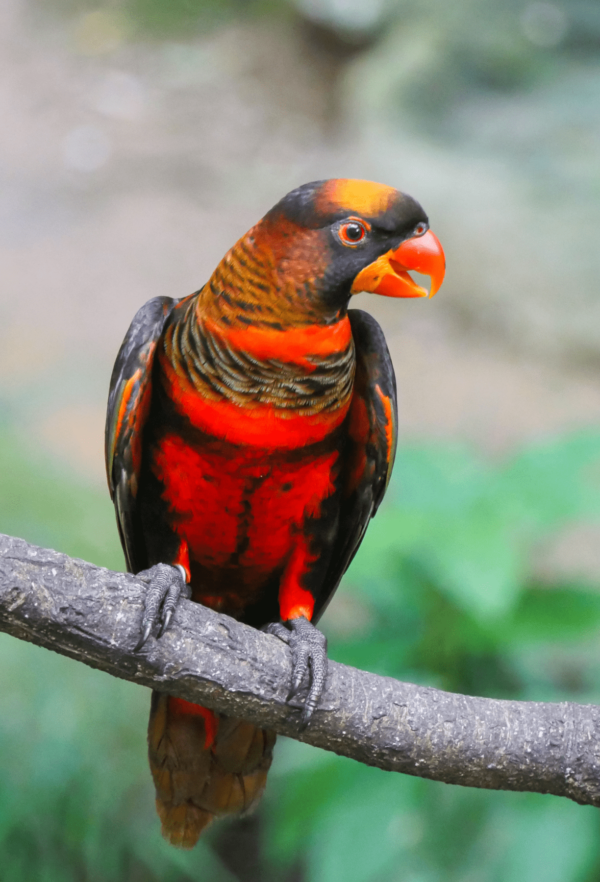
<point x="93" y="615"/>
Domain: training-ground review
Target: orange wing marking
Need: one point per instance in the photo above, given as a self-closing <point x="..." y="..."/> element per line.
<point x="389" y="424"/>
<point x="125" y="399"/>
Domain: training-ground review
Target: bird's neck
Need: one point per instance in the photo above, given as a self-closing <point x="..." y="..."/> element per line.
<point x="269" y="280"/>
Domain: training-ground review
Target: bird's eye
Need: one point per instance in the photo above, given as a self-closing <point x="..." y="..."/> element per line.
<point x="352" y="232"/>
<point x="421" y="229"/>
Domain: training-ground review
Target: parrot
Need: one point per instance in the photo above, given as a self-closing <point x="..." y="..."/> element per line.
<point x="250" y="437"/>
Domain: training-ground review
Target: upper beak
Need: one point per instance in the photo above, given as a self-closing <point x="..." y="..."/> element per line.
<point x="388" y="275"/>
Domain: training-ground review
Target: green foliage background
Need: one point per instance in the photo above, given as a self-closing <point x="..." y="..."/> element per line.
<point x="443" y="592"/>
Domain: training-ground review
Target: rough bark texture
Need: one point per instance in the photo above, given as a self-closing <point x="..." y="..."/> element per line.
<point x="93" y="615"/>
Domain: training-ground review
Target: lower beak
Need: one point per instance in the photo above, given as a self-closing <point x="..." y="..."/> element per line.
<point x="389" y="274"/>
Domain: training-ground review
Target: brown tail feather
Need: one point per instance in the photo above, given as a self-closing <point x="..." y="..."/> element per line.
<point x="204" y="765"/>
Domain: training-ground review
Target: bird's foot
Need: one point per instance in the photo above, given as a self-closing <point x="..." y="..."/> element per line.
<point x="167" y="584"/>
<point x="309" y="655"/>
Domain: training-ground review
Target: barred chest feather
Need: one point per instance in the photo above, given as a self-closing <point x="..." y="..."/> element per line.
<point x="259" y="386"/>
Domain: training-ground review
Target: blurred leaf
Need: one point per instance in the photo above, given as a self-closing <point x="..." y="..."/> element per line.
<point x="302" y="801"/>
<point x="554" y="614"/>
<point x="471" y="527"/>
<point x="343" y="808"/>
<point x="473" y="560"/>
<point x="550" y="484"/>
<point x="174" y="17"/>
<point x="40" y="502"/>
<point x="538" y="839"/>
<point x="367" y="832"/>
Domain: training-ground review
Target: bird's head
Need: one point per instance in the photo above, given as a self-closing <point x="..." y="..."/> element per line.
<point x="328" y="240"/>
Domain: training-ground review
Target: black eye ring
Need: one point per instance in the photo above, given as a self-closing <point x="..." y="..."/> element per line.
<point x="352" y="232"/>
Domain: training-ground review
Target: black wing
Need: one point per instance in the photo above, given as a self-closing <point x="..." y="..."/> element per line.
<point x="371" y="448"/>
<point x="128" y="406"/>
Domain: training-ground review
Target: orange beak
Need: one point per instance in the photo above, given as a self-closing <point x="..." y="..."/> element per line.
<point x="389" y="274"/>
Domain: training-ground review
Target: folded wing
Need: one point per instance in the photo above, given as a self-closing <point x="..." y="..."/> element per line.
<point x="128" y="406"/>
<point x="371" y="446"/>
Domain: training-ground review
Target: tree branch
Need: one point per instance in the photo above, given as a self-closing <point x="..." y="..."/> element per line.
<point x="93" y="615"/>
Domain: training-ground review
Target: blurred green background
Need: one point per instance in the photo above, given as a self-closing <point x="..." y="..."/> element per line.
<point x="140" y="139"/>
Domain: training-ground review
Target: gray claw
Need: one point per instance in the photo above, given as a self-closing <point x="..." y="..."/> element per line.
<point x="144" y="637"/>
<point x="309" y="655"/>
<point x="167" y="584"/>
<point x="165" y="623"/>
